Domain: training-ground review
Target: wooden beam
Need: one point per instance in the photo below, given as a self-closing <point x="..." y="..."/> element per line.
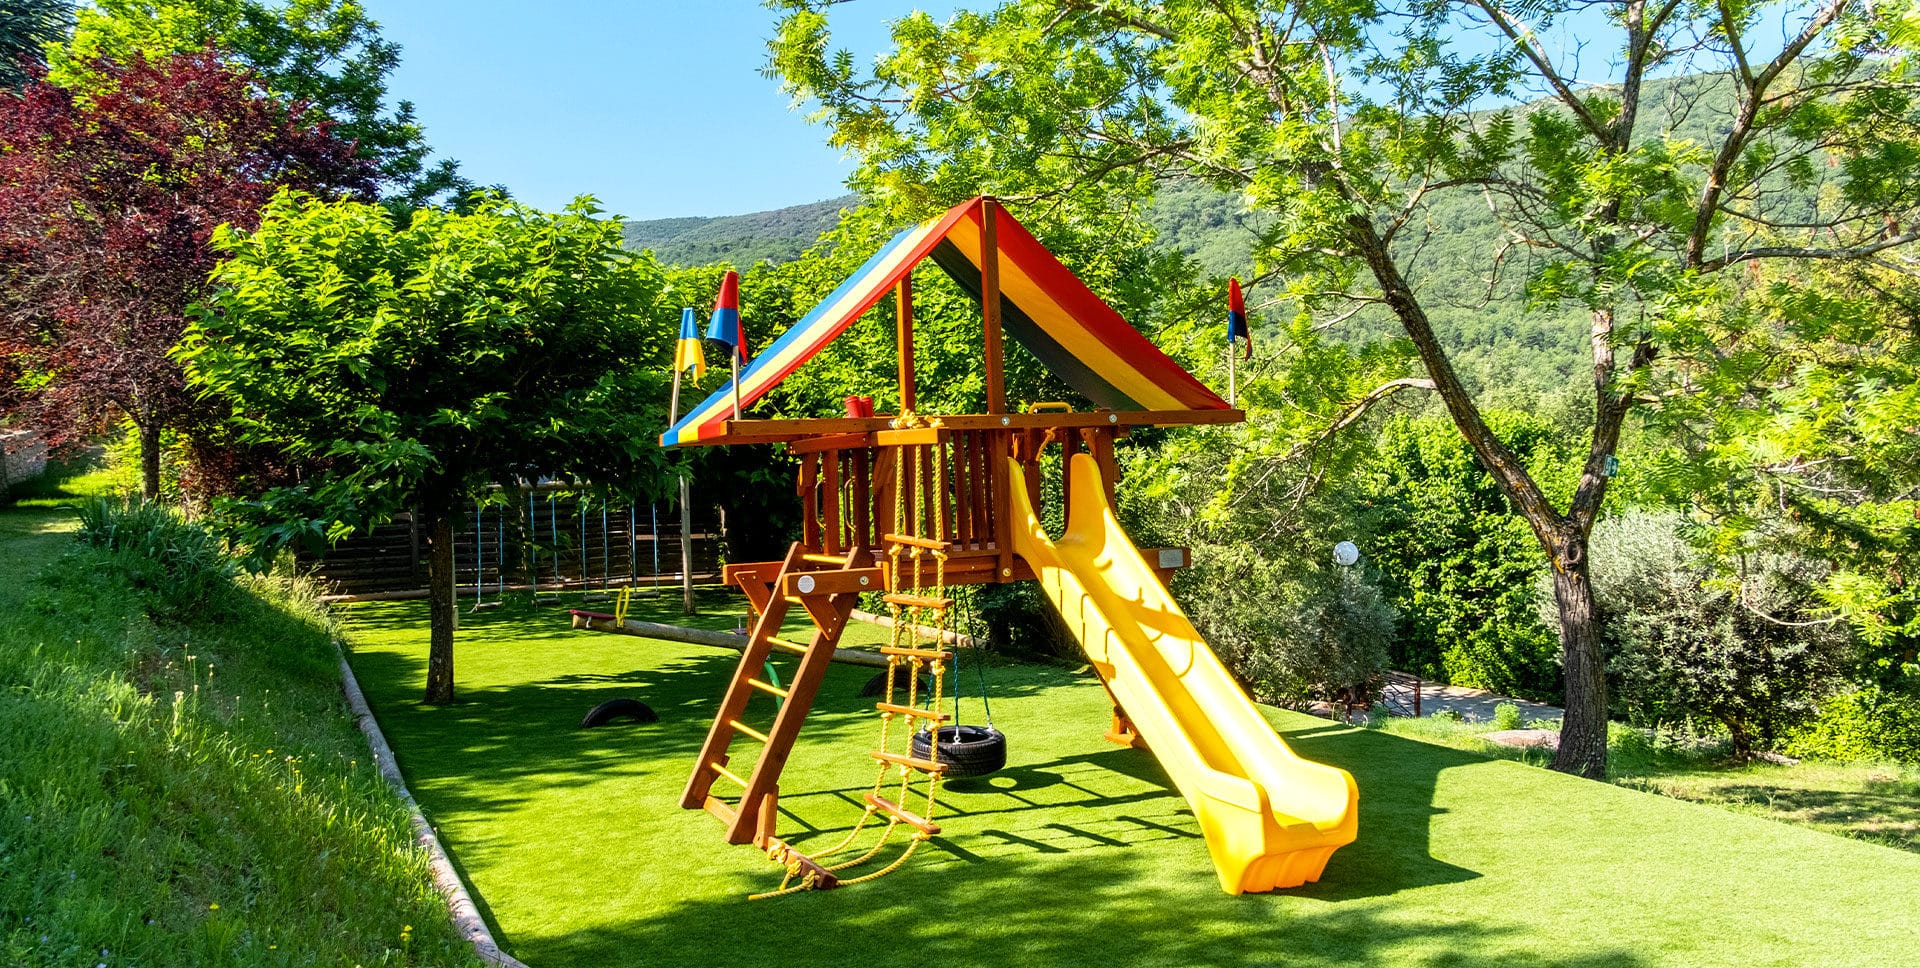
<point x="783" y="431"/>
<point x="903" y="338"/>
<point x="990" y="308"/>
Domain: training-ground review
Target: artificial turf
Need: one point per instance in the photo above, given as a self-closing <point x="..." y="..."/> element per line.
<point x="1079" y="852"/>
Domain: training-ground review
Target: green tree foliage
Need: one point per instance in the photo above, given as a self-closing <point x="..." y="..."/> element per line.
<point x="419" y="363"/>
<point x="1454" y="559"/>
<point x="1343" y="123"/>
<point x="1749" y="652"/>
<point x="327" y="53"/>
<point x="26" y="28"/>
<point x="1808" y="443"/>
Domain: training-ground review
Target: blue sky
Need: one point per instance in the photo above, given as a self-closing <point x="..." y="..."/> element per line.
<point x="655" y="107"/>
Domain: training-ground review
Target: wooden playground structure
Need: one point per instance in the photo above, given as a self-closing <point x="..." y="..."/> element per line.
<point x="911" y="505"/>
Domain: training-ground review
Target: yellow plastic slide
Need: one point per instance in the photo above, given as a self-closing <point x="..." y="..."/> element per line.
<point x="1271" y="818"/>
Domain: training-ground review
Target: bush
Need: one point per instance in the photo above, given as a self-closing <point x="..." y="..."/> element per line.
<point x="1870" y="724"/>
<point x="181" y="562"/>
<point x="1687" y="644"/>
<point x="1506" y="716"/>
<point x="1456" y="561"/>
<point x="1291" y="633"/>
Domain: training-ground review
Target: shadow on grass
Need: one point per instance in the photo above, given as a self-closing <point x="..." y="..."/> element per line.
<point x="1102" y="909"/>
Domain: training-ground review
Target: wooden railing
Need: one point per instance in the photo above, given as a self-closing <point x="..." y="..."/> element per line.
<point x="953" y="483"/>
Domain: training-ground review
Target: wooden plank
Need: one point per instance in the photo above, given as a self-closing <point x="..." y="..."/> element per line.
<point x="830" y="496"/>
<point x="980" y="486"/>
<point x="810" y="500"/>
<point x="861" y="508"/>
<point x="962" y="503"/>
<point x="854" y="580"/>
<point x="903" y="815"/>
<point x="781" y="431"/>
<point x="903" y="340"/>
<point x="1101" y="446"/>
<point x="909" y="436"/>
<point x="990" y="308"/>
<point x="831" y="442"/>
<point x="1002" y="503"/>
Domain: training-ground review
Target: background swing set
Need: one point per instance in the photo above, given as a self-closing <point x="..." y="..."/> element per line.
<point x="910" y="506"/>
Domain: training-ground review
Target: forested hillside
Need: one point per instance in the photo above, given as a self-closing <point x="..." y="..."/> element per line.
<point x="776" y="236"/>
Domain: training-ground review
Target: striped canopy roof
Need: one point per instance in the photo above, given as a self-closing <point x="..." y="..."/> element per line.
<point x="1043" y="306"/>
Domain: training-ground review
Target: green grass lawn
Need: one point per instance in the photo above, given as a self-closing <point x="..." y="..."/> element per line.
<point x="1877" y="802"/>
<point x="1079" y="852"/>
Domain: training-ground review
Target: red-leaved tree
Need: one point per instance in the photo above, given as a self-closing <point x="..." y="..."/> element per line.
<point x="108" y="203"/>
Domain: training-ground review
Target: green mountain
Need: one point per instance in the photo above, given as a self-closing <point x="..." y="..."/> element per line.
<point x="776" y="236"/>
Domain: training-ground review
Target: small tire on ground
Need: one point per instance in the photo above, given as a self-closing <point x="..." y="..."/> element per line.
<point x="878" y="684"/>
<point x="614" y="709"/>
<point x="966" y="750"/>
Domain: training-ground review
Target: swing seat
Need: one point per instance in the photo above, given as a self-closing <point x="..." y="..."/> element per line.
<point x="585" y="619"/>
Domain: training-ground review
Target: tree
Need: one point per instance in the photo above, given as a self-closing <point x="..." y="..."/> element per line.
<point x="1343" y="122"/>
<point x="108" y="206"/>
<point x="26" y="28"/>
<point x="325" y="53"/>
<point x="421" y="363"/>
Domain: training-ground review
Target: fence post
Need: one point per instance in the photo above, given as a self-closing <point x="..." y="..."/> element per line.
<point x="686" y="546"/>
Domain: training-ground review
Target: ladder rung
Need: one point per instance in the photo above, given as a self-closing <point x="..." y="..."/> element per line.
<point x="916" y="653"/>
<point x="767" y="687"/>
<point x="916" y="601"/>
<point x="721" y="809"/>
<point x="740" y="727"/>
<point x="729" y="774"/>
<point x="824" y="559"/>
<point x="903" y="815"/>
<point x="924" y="766"/>
<point x="932" y="544"/>
<point x="780" y="643"/>
<point x="887" y="707"/>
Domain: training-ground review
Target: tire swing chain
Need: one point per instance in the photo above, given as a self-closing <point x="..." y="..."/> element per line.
<point x="909" y="620"/>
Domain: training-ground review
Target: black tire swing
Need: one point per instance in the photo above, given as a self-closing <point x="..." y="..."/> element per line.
<point x="967" y="750"/>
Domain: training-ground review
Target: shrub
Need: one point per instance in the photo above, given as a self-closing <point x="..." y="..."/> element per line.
<point x="1869" y="724"/>
<point x="1506" y="716"/>
<point x="1686" y="643"/>
<point x="1291" y="633"/>
<point x="181" y="562"/>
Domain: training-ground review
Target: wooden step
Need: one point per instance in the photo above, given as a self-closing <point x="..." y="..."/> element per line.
<point x="768" y="688"/>
<point x="780" y="643"/>
<point x="916" y="653"/>
<point x="887" y="707"/>
<point x="740" y="727"/>
<point x="924" y="766"/>
<point x="915" y="541"/>
<point x="903" y="815"/>
<point x="721" y="809"/>
<point x="917" y="601"/>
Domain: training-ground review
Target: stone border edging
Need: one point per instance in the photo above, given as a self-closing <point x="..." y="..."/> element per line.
<point x="460" y="907"/>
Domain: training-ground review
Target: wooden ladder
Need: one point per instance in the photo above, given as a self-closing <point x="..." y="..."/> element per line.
<point x="827" y="587"/>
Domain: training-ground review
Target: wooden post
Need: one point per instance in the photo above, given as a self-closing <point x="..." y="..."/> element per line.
<point x="903" y="337"/>
<point x="990" y="307"/>
<point x="686" y="545"/>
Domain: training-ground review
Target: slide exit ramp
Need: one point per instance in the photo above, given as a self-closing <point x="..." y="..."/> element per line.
<point x="1271" y="819"/>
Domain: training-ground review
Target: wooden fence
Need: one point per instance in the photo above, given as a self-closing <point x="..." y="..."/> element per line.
<point x="543" y="540"/>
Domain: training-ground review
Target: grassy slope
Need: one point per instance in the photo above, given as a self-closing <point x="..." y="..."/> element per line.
<point x="236" y="821"/>
<point x="1078" y="853"/>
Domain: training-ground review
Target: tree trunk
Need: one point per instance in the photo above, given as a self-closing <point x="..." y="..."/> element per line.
<point x="150" y="460"/>
<point x="439" y="528"/>
<point x="1583" y="733"/>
